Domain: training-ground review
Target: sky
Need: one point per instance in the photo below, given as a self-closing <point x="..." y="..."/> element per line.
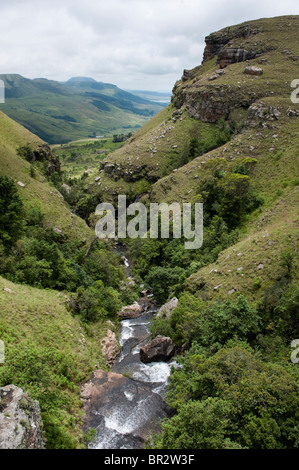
<point x="134" y="44"/>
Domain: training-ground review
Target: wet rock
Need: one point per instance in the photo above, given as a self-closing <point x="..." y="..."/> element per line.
<point x="20" y="420"/>
<point x="161" y="348"/>
<point x="123" y="411"/>
<point x="166" y="309"/>
<point x="130" y="311"/>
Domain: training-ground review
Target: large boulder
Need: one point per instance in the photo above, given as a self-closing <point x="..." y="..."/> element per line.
<point x="130" y="311"/>
<point x="20" y="420"/>
<point x="159" y="349"/>
<point x="166" y="309"/>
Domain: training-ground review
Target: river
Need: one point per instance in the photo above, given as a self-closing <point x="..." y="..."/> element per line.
<point x="131" y="405"/>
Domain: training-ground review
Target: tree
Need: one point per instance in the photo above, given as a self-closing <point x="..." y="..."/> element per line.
<point x="11" y="212"/>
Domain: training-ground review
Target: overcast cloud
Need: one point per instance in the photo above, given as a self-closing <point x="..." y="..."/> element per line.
<point x="135" y="44"/>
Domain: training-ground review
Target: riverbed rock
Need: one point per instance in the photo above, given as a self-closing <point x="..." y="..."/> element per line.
<point x="20" y="420"/>
<point x="166" y="309"/>
<point x="124" y="411"/>
<point x="109" y="346"/>
<point x="130" y="311"/>
<point x="161" y="348"/>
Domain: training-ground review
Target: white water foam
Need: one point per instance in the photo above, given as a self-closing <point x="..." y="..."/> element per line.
<point x="125" y="423"/>
<point x="153" y="372"/>
<point x="129" y="395"/>
<point x="126" y="333"/>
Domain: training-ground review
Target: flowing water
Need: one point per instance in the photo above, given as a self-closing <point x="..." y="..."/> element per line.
<point x="134" y="404"/>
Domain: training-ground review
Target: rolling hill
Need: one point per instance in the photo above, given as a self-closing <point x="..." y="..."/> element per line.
<point x="79" y="108"/>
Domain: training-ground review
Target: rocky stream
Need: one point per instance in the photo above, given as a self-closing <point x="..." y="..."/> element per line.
<point x="126" y="404"/>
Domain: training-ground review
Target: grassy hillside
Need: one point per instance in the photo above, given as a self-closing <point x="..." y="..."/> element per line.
<point x="36" y="192"/>
<point x="56" y="288"/>
<point x="48" y="353"/>
<point x="79" y="108"/>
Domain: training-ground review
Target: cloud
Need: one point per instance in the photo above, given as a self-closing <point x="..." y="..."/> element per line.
<point x="133" y="43"/>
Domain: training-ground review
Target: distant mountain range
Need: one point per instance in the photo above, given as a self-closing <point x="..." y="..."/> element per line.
<point x="81" y="107"/>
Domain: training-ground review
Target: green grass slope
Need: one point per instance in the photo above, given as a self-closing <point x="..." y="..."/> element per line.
<point x="37" y="192"/>
<point x="49" y="354"/>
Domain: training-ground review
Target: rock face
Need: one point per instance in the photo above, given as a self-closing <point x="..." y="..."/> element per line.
<point x="129" y="171"/>
<point x="130" y="311"/>
<point x="159" y="349"/>
<point x="232" y="55"/>
<point x="166" y="309"/>
<point x="43" y="153"/>
<point x="220" y="44"/>
<point x="20" y="420"/>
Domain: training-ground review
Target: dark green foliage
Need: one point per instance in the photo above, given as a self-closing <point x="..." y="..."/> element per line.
<point x="210" y="325"/>
<point x="199" y="425"/>
<point x="95" y="302"/>
<point x="257" y="403"/>
<point x="46" y="259"/>
<point x="25" y="152"/>
<point x="229" y="196"/>
<point x="279" y="310"/>
<point x="287" y="261"/>
<point x="163" y="279"/>
<point x="11" y="213"/>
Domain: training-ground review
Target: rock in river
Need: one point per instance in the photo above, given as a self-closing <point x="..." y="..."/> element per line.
<point x="131" y="311"/>
<point x="161" y="348"/>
